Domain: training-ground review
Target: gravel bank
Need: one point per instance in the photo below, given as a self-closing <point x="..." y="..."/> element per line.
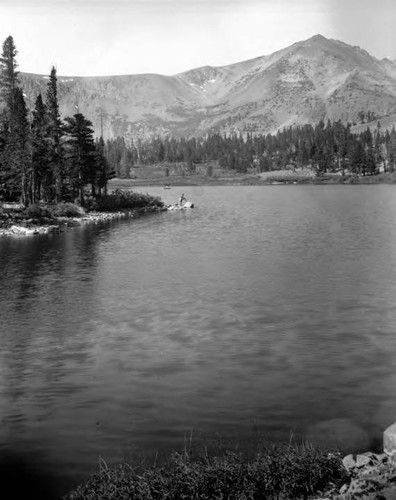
<point x="30" y="228"/>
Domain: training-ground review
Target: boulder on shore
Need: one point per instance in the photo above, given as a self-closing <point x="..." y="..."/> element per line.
<point x="390" y="440"/>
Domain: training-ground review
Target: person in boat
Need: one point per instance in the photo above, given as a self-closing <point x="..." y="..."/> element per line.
<point x="182" y="200"/>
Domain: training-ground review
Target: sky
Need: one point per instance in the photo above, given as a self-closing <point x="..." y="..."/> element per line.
<point x="115" y="37"/>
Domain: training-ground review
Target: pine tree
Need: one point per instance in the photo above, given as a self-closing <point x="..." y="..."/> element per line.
<point x="41" y="174"/>
<point x="80" y="155"/>
<point x="8" y="75"/>
<point x="104" y="170"/>
<point x="126" y="163"/>
<point x="15" y="159"/>
<point x="22" y="146"/>
<point x="358" y="158"/>
<point x="391" y="150"/>
<point x="54" y="133"/>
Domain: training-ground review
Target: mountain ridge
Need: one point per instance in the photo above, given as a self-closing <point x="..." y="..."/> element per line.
<point x="311" y="80"/>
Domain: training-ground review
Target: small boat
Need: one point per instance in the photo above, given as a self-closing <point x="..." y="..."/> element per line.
<point x="167" y="187"/>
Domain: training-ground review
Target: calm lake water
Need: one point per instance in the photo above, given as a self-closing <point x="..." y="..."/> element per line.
<point x="265" y="308"/>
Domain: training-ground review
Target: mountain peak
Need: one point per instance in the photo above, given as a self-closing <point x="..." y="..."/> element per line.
<point x="314" y="79"/>
<point x="317" y="38"/>
<point x="328" y="43"/>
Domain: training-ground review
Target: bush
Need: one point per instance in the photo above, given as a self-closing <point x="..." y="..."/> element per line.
<point x="125" y="200"/>
<point x="67" y="210"/>
<point x="37" y="212"/>
<point x="288" y="175"/>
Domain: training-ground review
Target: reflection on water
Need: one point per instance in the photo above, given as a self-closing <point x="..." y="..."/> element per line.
<point x="268" y="308"/>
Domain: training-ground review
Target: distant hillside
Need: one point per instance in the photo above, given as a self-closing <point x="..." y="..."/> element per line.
<point x="311" y="80"/>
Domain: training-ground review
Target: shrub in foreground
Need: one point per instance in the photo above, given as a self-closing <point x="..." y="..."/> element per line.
<point x="125" y="200"/>
<point x="289" y="472"/>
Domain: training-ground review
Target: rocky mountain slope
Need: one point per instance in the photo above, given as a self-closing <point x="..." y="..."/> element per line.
<point x="311" y="80"/>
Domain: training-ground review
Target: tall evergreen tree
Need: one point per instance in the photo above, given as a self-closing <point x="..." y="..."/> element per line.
<point x="15" y="159"/>
<point x="41" y="174"/>
<point x="391" y="150"/>
<point x="358" y="159"/>
<point x="22" y="146"/>
<point x="54" y="132"/>
<point x="104" y="171"/>
<point x="8" y="75"/>
<point x="126" y="163"/>
<point x="80" y="154"/>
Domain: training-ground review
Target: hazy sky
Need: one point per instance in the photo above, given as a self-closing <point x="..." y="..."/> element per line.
<point x="103" y="37"/>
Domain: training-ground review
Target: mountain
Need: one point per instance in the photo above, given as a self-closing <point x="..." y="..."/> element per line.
<point x="315" y="79"/>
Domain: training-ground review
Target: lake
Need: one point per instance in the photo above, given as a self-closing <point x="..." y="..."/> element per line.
<point x="265" y="309"/>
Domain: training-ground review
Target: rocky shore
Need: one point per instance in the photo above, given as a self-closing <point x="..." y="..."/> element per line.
<point x="31" y="227"/>
<point x="372" y="476"/>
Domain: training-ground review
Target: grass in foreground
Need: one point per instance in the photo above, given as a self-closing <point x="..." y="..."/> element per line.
<point x="287" y="472"/>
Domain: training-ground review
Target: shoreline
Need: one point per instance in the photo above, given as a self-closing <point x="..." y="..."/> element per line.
<point x="288" y="471"/>
<point x="274" y="178"/>
<point x="60" y="224"/>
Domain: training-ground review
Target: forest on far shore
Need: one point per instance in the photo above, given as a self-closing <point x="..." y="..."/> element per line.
<point x="324" y="148"/>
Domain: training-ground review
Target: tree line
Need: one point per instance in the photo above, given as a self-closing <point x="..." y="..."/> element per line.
<point x="330" y="147"/>
<point x="43" y="158"/>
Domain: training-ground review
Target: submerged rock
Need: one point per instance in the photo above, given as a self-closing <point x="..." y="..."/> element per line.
<point x="176" y="206"/>
<point x="340" y="433"/>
